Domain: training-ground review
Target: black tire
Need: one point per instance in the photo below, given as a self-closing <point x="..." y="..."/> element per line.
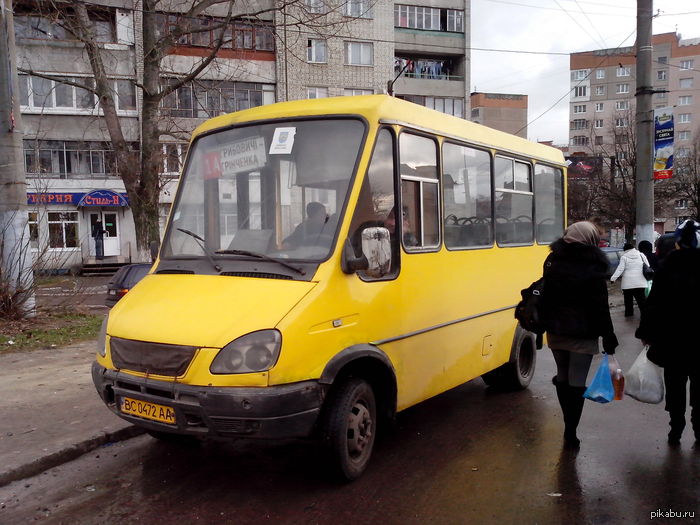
<point x="516" y="374"/>
<point x="349" y="428"/>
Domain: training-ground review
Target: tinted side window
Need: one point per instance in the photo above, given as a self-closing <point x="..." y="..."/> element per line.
<point x="549" y="203"/>
<point x="419" y="192"/>
<point x="513" y="204"/>
<point x="467" y="196"/>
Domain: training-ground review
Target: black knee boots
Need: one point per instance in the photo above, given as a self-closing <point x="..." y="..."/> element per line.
<point x="571" y="401"/>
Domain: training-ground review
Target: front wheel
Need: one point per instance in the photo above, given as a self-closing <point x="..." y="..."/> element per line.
<point x="349" y="427"/>
<point x="516" y="374"/>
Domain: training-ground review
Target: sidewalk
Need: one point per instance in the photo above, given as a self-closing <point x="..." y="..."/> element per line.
<point x="52" y="414"/>
<point x="50" y="411"/>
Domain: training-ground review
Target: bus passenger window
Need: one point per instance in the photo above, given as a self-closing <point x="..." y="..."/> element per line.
<point x="467" y="196"/>
<point x="549" y="203"/>
<point x="513" y="202"/>
<point x="419" y="191"/>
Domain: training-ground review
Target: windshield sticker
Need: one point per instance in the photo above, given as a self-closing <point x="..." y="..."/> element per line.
<point x="282" y="141"/>
<point x="245" y="155"/>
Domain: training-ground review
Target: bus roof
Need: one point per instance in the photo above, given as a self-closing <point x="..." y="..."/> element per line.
<point x="384" y="108"/>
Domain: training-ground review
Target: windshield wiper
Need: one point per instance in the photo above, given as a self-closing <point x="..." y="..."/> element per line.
<point x="201" y="241"/>
<point x="261" y="256"/>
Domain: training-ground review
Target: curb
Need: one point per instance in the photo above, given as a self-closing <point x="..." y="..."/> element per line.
<point x="69" y="453"/>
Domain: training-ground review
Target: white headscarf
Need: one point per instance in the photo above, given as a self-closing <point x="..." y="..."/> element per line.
<point x="583" y="232"/>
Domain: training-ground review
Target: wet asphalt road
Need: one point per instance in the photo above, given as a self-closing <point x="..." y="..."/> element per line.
<point x="470" y="455"/>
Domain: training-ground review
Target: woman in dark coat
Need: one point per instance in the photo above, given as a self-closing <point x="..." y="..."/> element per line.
<point x="669" y="325"/>
<point x="576" y="315"/>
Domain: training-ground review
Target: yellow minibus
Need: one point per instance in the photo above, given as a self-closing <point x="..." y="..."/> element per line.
<point x="328" y="263"/>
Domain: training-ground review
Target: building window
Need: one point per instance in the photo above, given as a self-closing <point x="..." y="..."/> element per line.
<point x="579" y="124"/>
<point x="316" y="6"/>
<point x="621" y="122"/>
<point x="63" y="229"/>
<point x="317" y="92"/>
<point x="349" y="92"/>
<point x="622" y="88"/>
<point x="316" y="51"/>
<point x="661" y="74"/>
<point x="681" y="204"/>
<point x="579" y="140"/>
<point x="51" y="27"/>
<point x="684" y="135"/>
<point x="579" y="74"/>
<point x="685" y="100"/>
<point x="358" y="8"/>
<point x="659" y="95"/>
<point x="598" y="140"/>
<point x="67" y="159"/>
<point x="686" y="64"/>
<point x="681" y="219"/>
<point x="599" y="107"/>
<point x="662" y="60"/>
<point x="598" y="123"/>
<point x="600" y="74"/>
<point x="428" y="18"/>
<point x="600" y="90"/>
<point x="359" y="53"/>
<point x="622" y="105"/>
<point x="422" y="68"/>
<point x="206" y="32"/>
<point x="623" y="71"/>
<point x="684" y="118"/>
<point x="52" y="96"/>
<point x="173" y="158"/>
<point x="686" y="83"/>
<point x="580" y="108"/>
<point x="580" y="91"/>
<point x="210" y="98"/>
<point x="450" y="106"/>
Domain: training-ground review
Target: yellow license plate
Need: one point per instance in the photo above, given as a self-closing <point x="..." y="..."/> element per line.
<point x="147" y="410"/>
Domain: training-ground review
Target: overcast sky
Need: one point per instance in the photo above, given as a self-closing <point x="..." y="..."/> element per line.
<point x="556" y="26"/>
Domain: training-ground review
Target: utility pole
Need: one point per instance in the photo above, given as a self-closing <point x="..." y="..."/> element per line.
<point x="16" y="263"/>
<point x="645" y="125"/>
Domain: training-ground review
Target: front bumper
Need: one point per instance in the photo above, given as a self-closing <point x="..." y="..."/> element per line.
<point x="276" y="412"/>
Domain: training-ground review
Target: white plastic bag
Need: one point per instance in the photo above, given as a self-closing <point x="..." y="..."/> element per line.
<point x="644" y="381"/>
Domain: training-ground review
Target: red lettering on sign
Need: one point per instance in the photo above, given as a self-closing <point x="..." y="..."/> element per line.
<point x="212" y="165"/>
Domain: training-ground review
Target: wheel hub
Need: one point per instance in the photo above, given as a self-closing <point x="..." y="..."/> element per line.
<point x="359" y="429"/>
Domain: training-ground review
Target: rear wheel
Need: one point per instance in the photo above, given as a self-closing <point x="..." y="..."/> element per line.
<point x="516" y="374"/>
<point x="349" y="428"/>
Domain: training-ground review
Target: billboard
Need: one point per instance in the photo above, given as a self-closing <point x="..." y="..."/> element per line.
<point x="663" y="143"/>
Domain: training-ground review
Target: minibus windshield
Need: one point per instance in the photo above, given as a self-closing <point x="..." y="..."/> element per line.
<point x="271" y="190"/>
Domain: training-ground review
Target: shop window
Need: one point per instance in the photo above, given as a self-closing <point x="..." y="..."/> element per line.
<point x="63" y="229"/>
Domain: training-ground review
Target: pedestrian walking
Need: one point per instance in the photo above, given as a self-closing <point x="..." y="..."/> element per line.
<point x="633" y="281"/>
<point x="668" y="325"/>
<point x="647" y="249"/>
<point x="576" y="312"/>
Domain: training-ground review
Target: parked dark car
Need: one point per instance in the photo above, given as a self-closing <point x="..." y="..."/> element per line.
<point x="124" y="280"/>
<point x="613" y="255"/>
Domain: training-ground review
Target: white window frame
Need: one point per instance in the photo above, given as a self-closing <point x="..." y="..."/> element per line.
<point x="580" y="91"/>
<point x="661" y="74"/>
<point x="316" y="6"/>
<point x="600" y="74"/>
<point x="316" y="92"/>
<point x="181" y="149"/>
<point x="579" y="74"/>
<point x="579" y="108"/>
<point x="685" y="83"/>
<point x="352" y="92"/>
<point x="599" y="107"/>
<point x="686" y="65"/>
<point x="681" y="204"/>
<point x="579" y="123"/>
<point x="359" y="53"/>
<point x="358" y="8"/>
<point x="62" y="222"/>
<point x="622" y="105"/>
<point x="313" y="46"/>
<point x="598" y="123"/>
<point x="579" y="140"/>
<point x="684" y="135"/>
<point x="622" y="88"/>
<point x="685" y="100"/>
<point x="455" y="21"/>
<point x="623" y="71"/>
<point x="684" y="118"/>
<point x="600" y="90"/>
<point x="621" y="122"/>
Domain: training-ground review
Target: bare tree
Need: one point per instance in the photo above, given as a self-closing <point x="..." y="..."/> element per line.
<point x="685" y="185"/>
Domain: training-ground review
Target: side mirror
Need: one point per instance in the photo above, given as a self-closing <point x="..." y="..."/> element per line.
<point x="349" y="262"/>
<point x="376" y="247"/>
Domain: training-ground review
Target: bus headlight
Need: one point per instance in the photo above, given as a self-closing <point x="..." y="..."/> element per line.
<point x="102" y="338"/>
<point x="254" y="352"/>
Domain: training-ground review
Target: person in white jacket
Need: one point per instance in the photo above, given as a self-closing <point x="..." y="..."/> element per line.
<point x="633" y="281"/>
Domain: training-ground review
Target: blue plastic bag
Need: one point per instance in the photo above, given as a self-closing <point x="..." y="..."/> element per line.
<point x="601" y="388"/>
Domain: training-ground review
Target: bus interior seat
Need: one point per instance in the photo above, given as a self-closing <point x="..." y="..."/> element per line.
<point x="251" y="240"/>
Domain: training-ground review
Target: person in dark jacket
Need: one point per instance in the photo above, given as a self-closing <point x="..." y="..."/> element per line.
<point x="576" y="314"/>
<point x="647" y="249"/>
<point x="668" y="325"/>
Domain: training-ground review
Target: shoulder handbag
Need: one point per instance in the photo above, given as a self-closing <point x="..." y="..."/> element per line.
<point x="646" y="269"/>
<point x="529" y="310"/>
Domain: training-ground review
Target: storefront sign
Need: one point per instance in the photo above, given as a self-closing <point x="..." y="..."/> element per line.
<point x="663" y="143"/>
<point x="94" y="198"/>
<point x="244" y="155"/>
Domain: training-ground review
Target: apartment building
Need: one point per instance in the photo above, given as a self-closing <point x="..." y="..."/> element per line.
<point x="602" y="104"/>
<point x="311" y="49"/>
<point x="501" y="111"/>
